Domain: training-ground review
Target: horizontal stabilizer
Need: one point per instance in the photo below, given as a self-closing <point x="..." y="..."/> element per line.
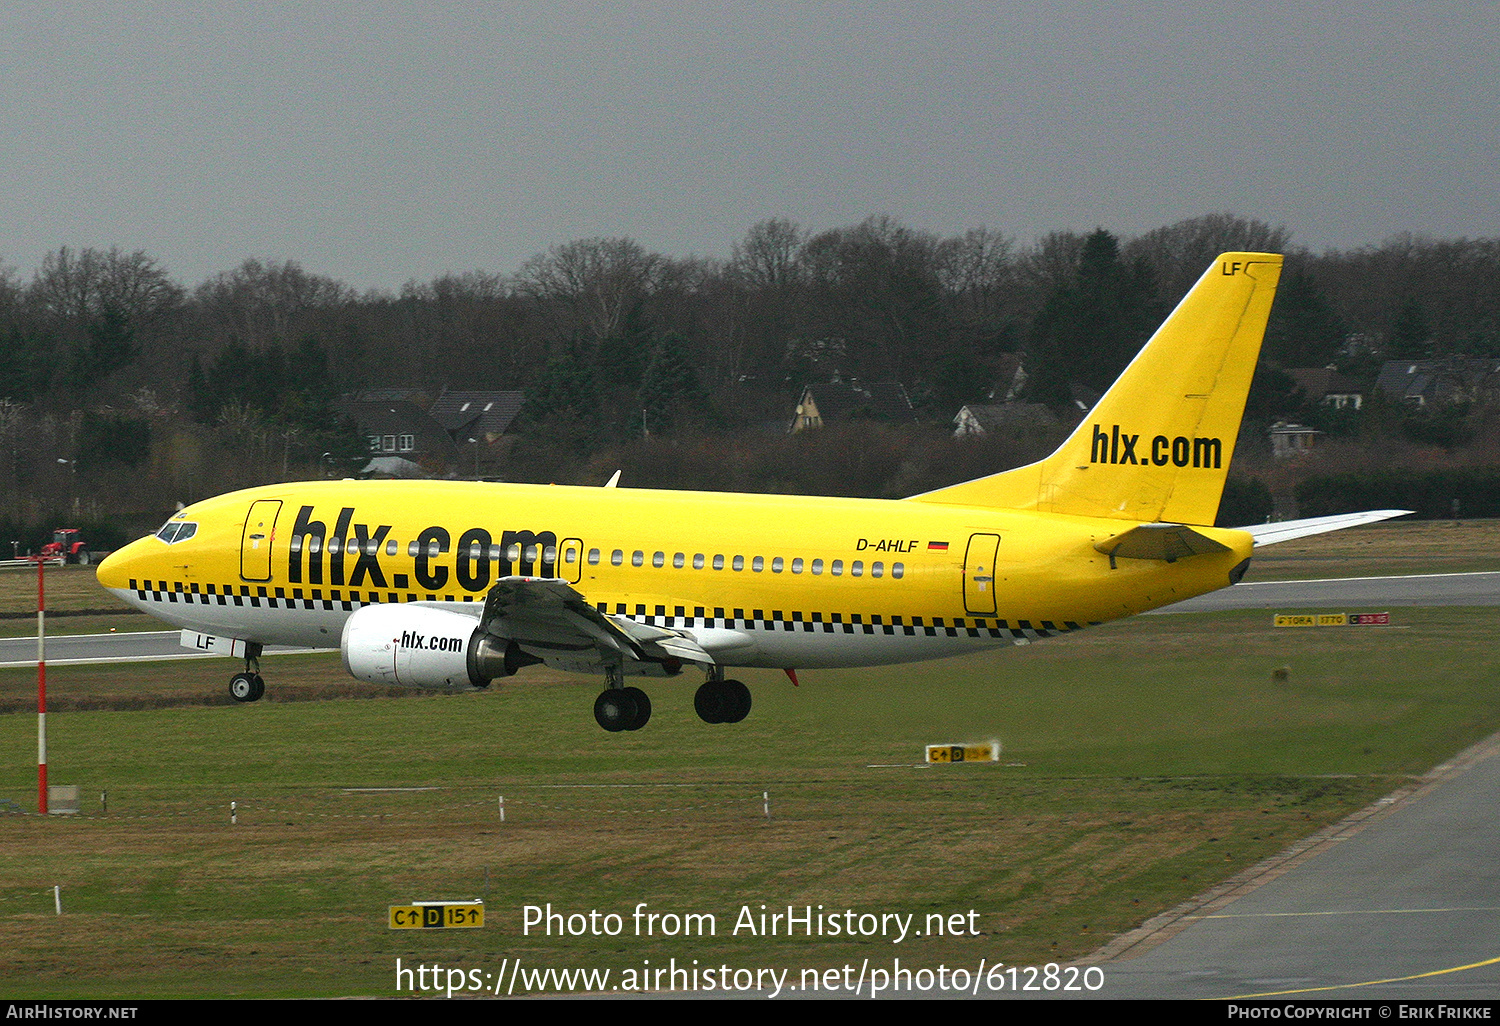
<point x="1166" y="542"/>
<point x="1286" y="530"/>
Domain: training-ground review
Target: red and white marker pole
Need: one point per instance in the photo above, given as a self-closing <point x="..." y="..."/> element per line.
<point x="41" y="687"/>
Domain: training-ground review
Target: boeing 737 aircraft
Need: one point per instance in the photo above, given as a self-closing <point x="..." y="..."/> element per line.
<point x="440" y="584"/>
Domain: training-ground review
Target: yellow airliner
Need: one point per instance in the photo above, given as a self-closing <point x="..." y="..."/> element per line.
<point x="439" y="584"/>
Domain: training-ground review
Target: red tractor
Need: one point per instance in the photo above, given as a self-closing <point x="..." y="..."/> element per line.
<point x="68" y="545"/>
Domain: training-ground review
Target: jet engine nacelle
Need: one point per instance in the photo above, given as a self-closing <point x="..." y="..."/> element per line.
<point x="421" y="647"/>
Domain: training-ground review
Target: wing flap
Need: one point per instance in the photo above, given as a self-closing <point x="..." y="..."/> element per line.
<point x="547" y="615"/>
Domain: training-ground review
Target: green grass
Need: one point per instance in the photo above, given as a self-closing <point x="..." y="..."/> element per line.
<point x="1143" y="762"/>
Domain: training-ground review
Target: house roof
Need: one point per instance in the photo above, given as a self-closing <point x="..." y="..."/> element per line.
<point x="881" y="400"/>
<point x="1317" y="382"/>
<point x="466" y="415"/>
<point x="397" y="417"/>
<point x="1435" y="379"/>
<point x="994" y="418"/>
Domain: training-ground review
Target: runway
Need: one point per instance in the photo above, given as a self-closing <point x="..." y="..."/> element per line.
<point x="1402" y="900"/>
<point x="1469" y="589"/>
<point x="1480" y="588"/>
<point x="131" y="647"/>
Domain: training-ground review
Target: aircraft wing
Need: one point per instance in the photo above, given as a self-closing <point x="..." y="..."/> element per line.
<point x="1286" y="530"/>
<point x="547" y="616"/>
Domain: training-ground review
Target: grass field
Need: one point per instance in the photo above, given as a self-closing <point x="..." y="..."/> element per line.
<point x="1143" y="762"/>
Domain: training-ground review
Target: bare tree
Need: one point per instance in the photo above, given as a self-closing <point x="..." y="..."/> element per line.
<point x="597" y="281"/>
<point x="82" y="286"/>
<point x="1178" y="253"/>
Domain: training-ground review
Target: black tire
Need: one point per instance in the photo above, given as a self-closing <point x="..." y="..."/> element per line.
<point x="615" y="709"/>
<point x="242" y="687"/>
<point x="260" y="689"/>
<point x="709" y="702"/>
<point x="642" y="708"/>
<point x="736" y="701"/>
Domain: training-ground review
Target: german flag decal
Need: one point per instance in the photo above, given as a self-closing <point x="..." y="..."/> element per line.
<point x="933" y="546"/>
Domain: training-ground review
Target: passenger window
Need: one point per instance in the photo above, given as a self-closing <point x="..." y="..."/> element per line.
<point x="797" y="565"/>
<point x="413" y="548"/>
<point x="837" y="568"/>
<point x="718" y="562"/>
<point x="697" y="561"/>
<point x="549" y="555"/>
<point x="776" y="565"/>
<point x="877" y="569"/>
<point x="390" y="548"/>
<point x="659" y="560"/>
<point x="616" y="558"/>
<point x="530" y="556"/>
<point x="679" y="561"/>
<point x="898" y="570"/>
<point x="495" y="553"/>
<point x="513" y="554"/>
<point x="817" y="566"/>
<point x="570" y="556"/>
<point x="758" y="564"/>
<point x="739" y="562"/>
<point x="637" y="558"/>
<point x="593" y="557"/>
<point x="333" y="546"/>
<point x="314" y="545"/>
<point x="857" y="568"/>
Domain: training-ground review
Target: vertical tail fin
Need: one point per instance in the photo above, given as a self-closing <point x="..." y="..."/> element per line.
<point x="1157" y="446"/>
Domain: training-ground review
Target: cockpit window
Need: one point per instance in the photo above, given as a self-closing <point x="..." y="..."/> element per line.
<point x="174" y="531"/>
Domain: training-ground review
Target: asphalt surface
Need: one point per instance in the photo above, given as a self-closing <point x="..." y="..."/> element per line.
<point x="1466" y="589"/>
<point x="109" y="648"/>
<point x="1401" y="901"/>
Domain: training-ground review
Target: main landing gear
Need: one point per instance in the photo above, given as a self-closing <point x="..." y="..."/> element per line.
<point x="722" y="701"/>
<point x="620" y="708"/>
<point x="718" y="701"/>
<point x="247" y="686"/>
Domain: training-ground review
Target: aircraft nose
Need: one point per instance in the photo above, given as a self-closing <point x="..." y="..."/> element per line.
<point x="123" y="565"/>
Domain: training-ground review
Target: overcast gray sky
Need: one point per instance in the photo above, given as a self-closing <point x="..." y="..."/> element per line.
<point x="385" y="141"/>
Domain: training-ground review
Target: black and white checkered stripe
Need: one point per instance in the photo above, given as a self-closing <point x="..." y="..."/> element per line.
<point x="792" y="621"/>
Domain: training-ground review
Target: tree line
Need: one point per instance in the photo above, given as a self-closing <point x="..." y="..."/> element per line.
<point x="113" y="371"/>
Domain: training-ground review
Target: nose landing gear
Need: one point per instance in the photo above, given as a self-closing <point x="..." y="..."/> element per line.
<point x="247" y="686"/>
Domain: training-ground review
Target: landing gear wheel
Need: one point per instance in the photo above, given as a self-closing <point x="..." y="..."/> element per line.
<point x="615" y="709"/>
<point x="722" y="701"/>
<point x="737" y="701"/>
<point x="642" y="708"/>
<point x="708" y="702"/>
<point x="246" y="687"/>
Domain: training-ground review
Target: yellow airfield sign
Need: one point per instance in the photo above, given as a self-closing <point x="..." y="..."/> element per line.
<point x="437" y="915"/>
<point x="988" y="751"/>
<point x="1332" y="619"/>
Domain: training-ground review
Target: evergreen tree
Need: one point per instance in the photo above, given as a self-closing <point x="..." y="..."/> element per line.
<point x="1092" y="326"/>
<point x="670" y="393"/>
<point x="1303" y="330"/>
